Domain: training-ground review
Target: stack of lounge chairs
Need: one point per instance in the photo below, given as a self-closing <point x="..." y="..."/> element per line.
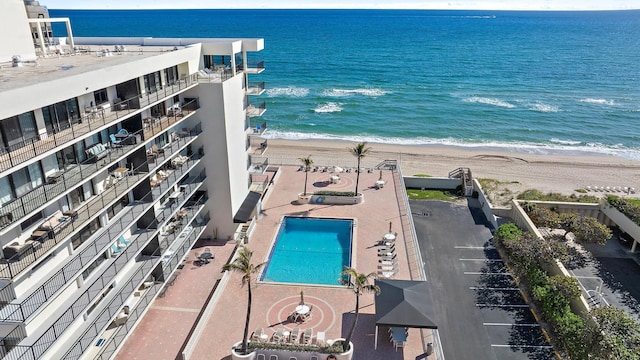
<point x="281" y="335"/>
<point x="388" y="259"/>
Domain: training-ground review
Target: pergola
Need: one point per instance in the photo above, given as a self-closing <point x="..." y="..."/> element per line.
<point x="403" y="303"/>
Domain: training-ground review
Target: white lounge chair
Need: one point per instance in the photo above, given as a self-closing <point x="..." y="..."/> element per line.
<point x="307" y="336"/>
<point x="259" y="335"/>
<point x="278" y="336"/>
<point x="295" y="335"/>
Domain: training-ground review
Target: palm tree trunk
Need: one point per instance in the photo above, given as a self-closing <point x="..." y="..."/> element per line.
<point x="246" y="324"/>
<point x="357" y="176"/>
<point x="306" y="173"/>
<point x="345" y="345"/>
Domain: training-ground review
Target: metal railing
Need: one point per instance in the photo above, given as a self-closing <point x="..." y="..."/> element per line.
<point x="112" y="344"/>
<point x="21" y="311"/>
<point x="155" y="126"/>
<point x="22" y="260"/>
<point x="95" y="119"/>
<point x="256" y="110"/>
<point x="255" y="88"/>
<point x="73" y="312"/>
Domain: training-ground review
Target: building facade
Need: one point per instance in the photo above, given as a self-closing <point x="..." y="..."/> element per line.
<point x="117" y="154"/>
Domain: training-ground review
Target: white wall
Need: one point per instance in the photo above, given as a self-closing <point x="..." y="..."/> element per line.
<point x="17" y="33"/>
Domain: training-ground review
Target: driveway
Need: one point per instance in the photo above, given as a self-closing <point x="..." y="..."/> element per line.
<point x="480" y="311"/>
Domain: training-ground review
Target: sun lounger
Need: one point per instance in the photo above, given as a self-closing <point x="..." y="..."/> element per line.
<point x="386" y="274"/>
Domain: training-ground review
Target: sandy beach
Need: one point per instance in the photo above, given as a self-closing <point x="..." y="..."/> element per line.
<point x="547" y="173"/>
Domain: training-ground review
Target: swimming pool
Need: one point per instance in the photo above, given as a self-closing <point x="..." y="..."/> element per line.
<point x="310" y="251"/>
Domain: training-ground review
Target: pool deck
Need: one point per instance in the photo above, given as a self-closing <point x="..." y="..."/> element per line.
<point x="168" y="323"/>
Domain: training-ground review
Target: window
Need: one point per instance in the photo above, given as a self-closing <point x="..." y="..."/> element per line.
<point x="21" y="182"/>
<point x="6" y="195"/>
<point x="171" y="75"/>
<point x="152" y="82"/>
<point x="30" y="221"/>
<point x="93" y="266"/>
<point x="115" y="208"/>
<point x="60" y="116"/>
<point x="84" y="234"/>
<point x="100" y="96"/>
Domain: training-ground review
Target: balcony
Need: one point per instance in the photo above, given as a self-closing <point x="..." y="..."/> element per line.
<point x="115" y="336"/>
<point x="255" y="67"/>
<point x="258" y="130"/>
<point x="93" y="119"/>
<point x="255" y="89"/>
<point x="25" y="308"/>
<point x="143" y="264"/>
<point x="153" y="126"/>
<point x="256" y="110"/>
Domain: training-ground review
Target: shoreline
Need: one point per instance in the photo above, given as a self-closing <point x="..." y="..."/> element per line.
<point x="545" y="172"/>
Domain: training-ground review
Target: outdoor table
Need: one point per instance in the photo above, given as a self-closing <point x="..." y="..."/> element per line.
<point x="119" y="172"/>
<point x="398" y="334"/>
<point x="206" y="256"/>
<point x="302" y="309"/>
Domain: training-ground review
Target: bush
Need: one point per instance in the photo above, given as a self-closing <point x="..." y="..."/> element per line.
<point x="628" y="208"/>
<point x="335" y="193"/>
<point x="533" y="194"/>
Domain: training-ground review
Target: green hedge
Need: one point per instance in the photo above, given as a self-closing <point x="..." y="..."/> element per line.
<point x="335" y="348"/>
<point x="335" y="193"/>
<point x="629" y="209"/>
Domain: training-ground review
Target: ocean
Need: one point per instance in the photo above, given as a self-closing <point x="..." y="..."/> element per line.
<point x="530" y="82"/>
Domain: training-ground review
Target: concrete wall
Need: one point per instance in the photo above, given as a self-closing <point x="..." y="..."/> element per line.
<point x="416" y="182"/>
<point x="485" y="204"/>
<point x="623" y="222"/>
<point x="17" y="32"/>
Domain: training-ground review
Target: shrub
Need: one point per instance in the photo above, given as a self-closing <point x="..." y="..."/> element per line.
<point x="335" y="193"/>
<point x="628" y="208"/>
<point x="533" y="194"/>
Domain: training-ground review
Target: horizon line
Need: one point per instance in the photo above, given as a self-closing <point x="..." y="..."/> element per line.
<point x="347" y="8"/>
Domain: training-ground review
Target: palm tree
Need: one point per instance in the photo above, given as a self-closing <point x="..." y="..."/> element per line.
<point x="359" y="283"/>
<point x="360" y="150"/>
<point x="242" y="264"/>
<point x="306" y="163"/>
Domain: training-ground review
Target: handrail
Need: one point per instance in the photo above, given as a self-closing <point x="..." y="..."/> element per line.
<point x="41" y="295"/>
<point x="44" y="342"/>
<point x="88" y="122"/>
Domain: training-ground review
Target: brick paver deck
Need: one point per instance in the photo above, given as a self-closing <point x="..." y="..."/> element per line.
<point x="165" y="326"/>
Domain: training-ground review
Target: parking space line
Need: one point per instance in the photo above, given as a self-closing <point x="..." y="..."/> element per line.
<point x="507" y="324"/>
<point x="486" y="273"/>
<point x="496" y="289"/>
<point x="524" y="346"/>
<point x="485" y="260"/>
<point x="503" y="305"/>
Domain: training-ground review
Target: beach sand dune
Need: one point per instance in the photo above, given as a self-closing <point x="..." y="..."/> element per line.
<point x="547" y="173"/>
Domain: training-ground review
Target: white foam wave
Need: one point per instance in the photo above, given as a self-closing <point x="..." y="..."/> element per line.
<point x="543" y="108"/>
<point x="328" y="108"/>
<point x="565" y="142"/>
<point x="556" y="146"/>
<point x="290" y="91"/>
<point x="372" y="92"/>
<point x="489" y="101"/>
<point x="598" y="101"/>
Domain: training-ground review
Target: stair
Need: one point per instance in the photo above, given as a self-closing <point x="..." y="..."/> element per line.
<point x="467" y="179"/>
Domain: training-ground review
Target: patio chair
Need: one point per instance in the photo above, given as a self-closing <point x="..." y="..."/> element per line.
<point x="278" y="336"/>
<point x="295" y="334"/>
<point x="307" y="336"/>
<point x="258" y="335"/>
<point x="115" y="141"/>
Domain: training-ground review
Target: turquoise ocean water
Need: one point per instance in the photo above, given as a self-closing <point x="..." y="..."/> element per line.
<point x="537" y="82"/>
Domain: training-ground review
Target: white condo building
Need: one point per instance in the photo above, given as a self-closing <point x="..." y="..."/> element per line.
<point x="117" y="154"/>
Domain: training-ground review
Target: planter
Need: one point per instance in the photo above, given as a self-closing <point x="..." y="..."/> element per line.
<point x="336" y="200"/>
<point x="304" y="198"/>
<point x="345" y="355"/>
<point x="236" y="356"/>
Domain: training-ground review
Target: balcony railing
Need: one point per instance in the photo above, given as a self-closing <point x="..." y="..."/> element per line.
<point x="256" y="110"/>
<point x="255" y="88"/>
<point x="153" y="126"/>
<point x="21" y="311"/>
<point x="112" y="344"/>
<point x="88" y="122"/>
<point x="255" y="67"/>
<point x="75" y="311"/>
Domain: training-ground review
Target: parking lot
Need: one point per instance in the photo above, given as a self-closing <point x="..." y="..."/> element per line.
<point x="480" y="311"/>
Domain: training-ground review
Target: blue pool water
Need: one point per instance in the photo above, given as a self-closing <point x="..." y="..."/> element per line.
<point x="310" y="251"/>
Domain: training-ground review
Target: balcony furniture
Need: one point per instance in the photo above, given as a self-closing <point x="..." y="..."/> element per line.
<point x="55" y="176"/>
<point x="16" y="251"/>
<point x="120" y="172"/>
<point x="179" y="161"/>
<point x="154" y="181"/>
<point x="124" y="137"/>
<point x="58" y="221"/>
<point x="119" y="104"/>
<point x="96" y="152"/>
<point x="122" y="316"/>
<point x="114" y="140"/>
<point x="41" y="235"/>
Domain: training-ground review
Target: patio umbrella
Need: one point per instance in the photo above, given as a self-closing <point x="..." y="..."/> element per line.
<point x="301" y="297"/>
<point x="390" y="227"/>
